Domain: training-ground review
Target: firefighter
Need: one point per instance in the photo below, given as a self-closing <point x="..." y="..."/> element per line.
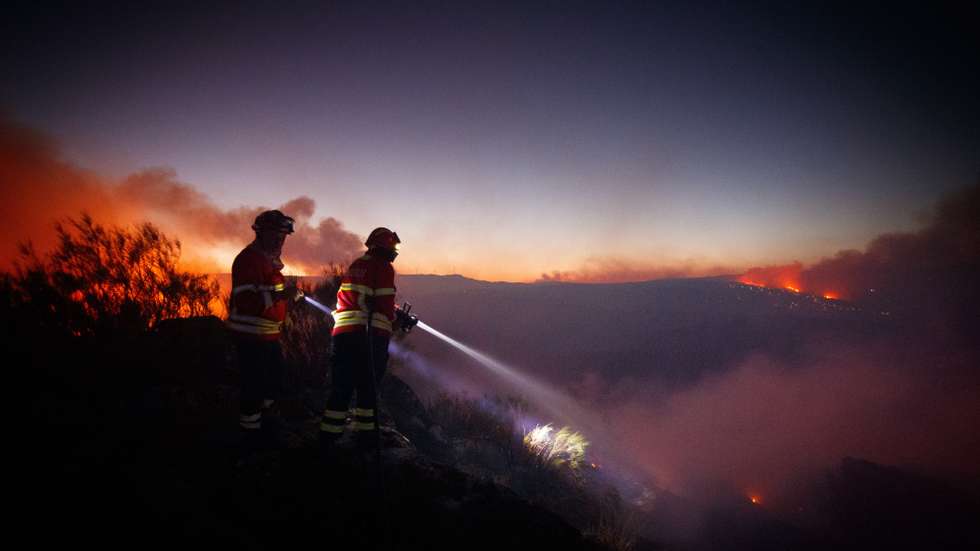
<point x="365" y="316"/>
<point x="259" y="298"/>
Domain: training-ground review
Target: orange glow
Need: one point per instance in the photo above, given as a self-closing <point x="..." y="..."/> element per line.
<point x="219" y="258"/>
<point x="778" y="277"/>
<point x="291" y="270"/>
<point x="223" y="255"/>
<point x="795" y="278"/>
<point x="755" y="499"/>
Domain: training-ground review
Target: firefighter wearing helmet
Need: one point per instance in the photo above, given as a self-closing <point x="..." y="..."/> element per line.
<point x="363" y="323"/>
<point x="259" y="299"/>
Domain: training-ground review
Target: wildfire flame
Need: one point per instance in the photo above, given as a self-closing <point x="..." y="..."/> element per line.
<point x="291" y="270"/>
<point x="790" y="277"/>
<point x="796" y="279"/>
<point x="779" y="277"/>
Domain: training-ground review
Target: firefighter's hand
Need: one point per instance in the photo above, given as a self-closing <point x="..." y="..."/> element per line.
<point x="293" y="294"/>
<point x="405" y="320"/>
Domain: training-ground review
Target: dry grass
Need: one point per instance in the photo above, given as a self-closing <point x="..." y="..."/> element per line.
<point x="306" y="338"/>
<point x="616" y="527"/>
<point x="566" y="448"/>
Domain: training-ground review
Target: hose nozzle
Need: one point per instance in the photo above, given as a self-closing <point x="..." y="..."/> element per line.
<point x="404" y="318"/>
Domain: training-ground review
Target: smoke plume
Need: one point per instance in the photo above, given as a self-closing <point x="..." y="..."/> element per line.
<point x="620" y="270"/>
<point x="764" y="426"/>
<point x="929" y="274"/>
<point x="40" y="189"/>
<point x="905" y="397"/>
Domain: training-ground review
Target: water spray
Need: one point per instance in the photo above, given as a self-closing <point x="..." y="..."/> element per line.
<point x="317" y="305"/>
<point x="555" y="403"/>
<point x="548" y="399"/>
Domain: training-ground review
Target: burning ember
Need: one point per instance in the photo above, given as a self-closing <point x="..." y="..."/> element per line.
<point x="755" y="499"/>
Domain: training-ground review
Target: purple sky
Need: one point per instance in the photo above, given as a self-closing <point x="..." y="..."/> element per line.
<point x="503" y="141"/>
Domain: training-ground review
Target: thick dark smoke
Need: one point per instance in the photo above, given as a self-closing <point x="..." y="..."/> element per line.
<point x="40" y="189"/>
<point x="930" y="274"/>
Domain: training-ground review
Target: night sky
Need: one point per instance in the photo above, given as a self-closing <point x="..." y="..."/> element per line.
<point x="506" y="141"/>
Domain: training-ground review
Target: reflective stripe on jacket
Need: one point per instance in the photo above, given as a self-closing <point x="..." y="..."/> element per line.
<point x="368" y="286"/>
<point x="254" y="309"/>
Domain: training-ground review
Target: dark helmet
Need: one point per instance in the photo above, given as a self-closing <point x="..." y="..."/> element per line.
<point x="383" y="238"/>
<point x="273" y="220"/>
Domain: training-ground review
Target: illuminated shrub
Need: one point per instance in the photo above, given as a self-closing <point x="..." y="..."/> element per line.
<point x="564" y="448"/>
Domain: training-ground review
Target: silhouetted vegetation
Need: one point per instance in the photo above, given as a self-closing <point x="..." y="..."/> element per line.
<point x="105" y="279"/>
<point x="306" y="338"/>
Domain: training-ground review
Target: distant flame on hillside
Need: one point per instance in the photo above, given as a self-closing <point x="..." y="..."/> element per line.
<point x="777" y="277"/>
<point x="789" y="277"/>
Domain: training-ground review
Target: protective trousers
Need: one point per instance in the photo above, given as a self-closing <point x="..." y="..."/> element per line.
<point x="352" y="372"/>
<point x="260" y="366"/>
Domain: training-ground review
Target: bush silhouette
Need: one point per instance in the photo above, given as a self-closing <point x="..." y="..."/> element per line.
<point x="101" y="280"/>
<point x="306" y="340"/>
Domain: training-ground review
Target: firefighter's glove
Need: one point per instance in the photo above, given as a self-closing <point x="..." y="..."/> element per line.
<point x="292" y="294"/>
<point x="405" y="320"/>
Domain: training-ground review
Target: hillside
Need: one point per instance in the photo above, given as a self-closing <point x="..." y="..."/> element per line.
<point x="140" y="448"/>
<point x="139" y="430"/>
<point x="671" y="332"/>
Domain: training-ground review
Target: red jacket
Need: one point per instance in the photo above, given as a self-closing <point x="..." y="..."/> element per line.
<point x="367" y="287"/>
<point x="254" y="309"/>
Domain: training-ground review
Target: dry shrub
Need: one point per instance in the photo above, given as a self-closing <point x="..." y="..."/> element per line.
<point x="306" y="338"/>
<point x="102" y="280"/>
<point x="617" y="526"/>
